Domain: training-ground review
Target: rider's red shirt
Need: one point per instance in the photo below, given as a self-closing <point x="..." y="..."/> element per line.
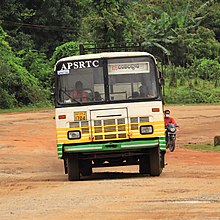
<point x="169" y="120"/>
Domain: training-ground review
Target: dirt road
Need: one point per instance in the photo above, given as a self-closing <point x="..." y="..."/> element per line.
<point x="33" y="185"/>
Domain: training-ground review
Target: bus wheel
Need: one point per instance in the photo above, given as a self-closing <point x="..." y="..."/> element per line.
<point x="144" y="164"/>
<point x="73" y="167"/>
<point x="155" y="163"/>
<point x="86" y="167"/>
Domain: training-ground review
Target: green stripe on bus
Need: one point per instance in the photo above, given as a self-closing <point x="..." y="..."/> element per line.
<point x="113" y="146"/>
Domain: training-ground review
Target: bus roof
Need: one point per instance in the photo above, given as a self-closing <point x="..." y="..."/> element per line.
<point x="105" y="55"/>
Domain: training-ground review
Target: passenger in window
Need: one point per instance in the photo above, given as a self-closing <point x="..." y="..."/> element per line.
<point x="143" y="91"/>
<point x="135" y="94"/>
<point x="97" y="96"/>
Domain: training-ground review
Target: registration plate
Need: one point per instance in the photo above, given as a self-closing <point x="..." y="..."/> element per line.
<point x="80" y="116"/>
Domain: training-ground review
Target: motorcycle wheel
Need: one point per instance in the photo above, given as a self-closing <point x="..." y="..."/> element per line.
<point x="172" y="145"/>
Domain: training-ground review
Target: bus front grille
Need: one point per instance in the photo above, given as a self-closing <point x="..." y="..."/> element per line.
<point x="110" y="129"/>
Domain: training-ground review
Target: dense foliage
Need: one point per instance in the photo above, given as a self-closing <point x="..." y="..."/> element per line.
<point x="185" y="34"/>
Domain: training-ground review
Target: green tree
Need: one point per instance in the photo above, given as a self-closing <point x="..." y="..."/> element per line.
<point x="65" y="50"/>
<point x="37" y="64"/>
<point x="17" y="86"/>
<point x="208" y="70"/>
<point x="49" y="23"/>
<point x="172" y="27"/>
<point x="105" y="22"/>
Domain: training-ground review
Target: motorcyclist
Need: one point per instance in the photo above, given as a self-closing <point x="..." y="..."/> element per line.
<point x="170" y="125"/>
<point x="168" y="119"/>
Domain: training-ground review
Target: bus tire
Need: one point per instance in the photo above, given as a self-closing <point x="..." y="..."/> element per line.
<point x="144" y="164"/>
<point x="86" y="167"/>
<point x="155" y="162"/>
<point x="73" y="167"/>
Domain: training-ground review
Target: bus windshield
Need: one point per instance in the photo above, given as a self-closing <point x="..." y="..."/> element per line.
<point x="132" y="78"/>
<point x="81" y="85"/>
<point x="126" y="79"/>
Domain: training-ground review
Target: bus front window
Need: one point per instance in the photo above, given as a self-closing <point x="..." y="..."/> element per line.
<point x="83" y="85"/>
<point x="132" y="78"/>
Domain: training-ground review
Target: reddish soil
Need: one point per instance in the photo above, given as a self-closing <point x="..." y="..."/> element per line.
<point x="34" y="186"/>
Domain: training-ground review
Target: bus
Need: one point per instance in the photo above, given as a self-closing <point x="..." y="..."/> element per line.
<point x="109" y="112"/>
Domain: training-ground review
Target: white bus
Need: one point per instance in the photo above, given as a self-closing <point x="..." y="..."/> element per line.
<point x="109" y="112"/>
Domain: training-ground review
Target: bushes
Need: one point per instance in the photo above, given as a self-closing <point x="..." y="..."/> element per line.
<point x="18" y="87"/>
<point x="197" y="83"/>
<point x="37" y="65"/>
<point x="183" y="95"/>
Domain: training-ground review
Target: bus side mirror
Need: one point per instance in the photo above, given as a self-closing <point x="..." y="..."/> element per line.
<point x="161" y="81"/>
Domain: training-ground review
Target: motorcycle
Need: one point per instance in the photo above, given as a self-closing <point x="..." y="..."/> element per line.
<point x="171" y="136"/>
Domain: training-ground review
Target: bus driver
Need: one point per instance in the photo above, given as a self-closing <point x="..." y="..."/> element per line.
<point x="79" y="93"/>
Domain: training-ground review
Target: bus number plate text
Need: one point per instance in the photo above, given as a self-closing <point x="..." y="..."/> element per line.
<point x="80" y="116"/>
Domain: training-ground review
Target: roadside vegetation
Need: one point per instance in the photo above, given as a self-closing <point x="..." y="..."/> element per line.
<point x="28" y="108"/>
<point x="202" y="147"/>
<point x="184" y="34"/>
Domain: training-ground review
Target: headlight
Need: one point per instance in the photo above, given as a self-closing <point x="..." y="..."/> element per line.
<point x="146" y="129"/>
<point x="74" y="134"/>
<point x="172" y="129"/>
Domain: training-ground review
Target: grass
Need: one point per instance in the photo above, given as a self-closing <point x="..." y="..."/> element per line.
<point x="27" y="109"/>
<point x="203" y="147"/>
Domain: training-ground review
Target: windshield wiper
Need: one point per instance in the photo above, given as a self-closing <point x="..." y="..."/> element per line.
<point x="71" y="97"/>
